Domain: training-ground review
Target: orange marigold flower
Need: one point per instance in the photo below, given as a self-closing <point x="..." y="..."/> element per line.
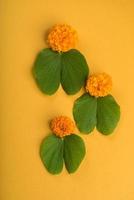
<point x="62" y="37"/>
<point x="62" y="126"/>
<point x="99" y="85"/>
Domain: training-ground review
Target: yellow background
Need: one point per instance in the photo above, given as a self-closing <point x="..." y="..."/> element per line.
<point x="106" y="38"/>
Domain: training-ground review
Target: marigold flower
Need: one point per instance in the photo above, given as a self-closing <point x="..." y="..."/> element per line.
<point x="62" y="37"/>
<point x="62" y="126"/>
<point x="99" y="85"/>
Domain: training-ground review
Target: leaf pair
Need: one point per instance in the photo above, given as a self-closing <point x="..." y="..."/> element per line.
<point x="54" y="151"/>
<point x="102" y="112"/>
<point x="68" y="68"/>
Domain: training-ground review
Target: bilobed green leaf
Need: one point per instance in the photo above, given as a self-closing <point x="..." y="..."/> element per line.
<point x="108" y="114"/>
<point x="84" y="112"/>
<point x="51" y="67"/>
<point x="47" y="71"/>
<point x="74" y="152"/>
<point x="51" y="153"/>
<point x="74" y="71"/>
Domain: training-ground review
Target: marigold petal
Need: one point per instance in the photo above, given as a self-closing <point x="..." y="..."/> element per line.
<point x="62" y="37"/>
<point x="62" y="126"/>
<point x="99" y="85"/>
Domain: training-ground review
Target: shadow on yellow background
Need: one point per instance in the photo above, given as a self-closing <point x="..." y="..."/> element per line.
<point x="106" y="38"/>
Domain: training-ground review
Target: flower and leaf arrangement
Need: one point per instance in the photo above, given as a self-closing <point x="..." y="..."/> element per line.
<point x="62" y="64"/>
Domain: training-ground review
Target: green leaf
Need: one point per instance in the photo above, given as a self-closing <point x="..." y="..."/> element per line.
<point x="74" y="71"/>
<point x="84" y="112"/>
<point x="74" y="152"/>
<point x="108" y="114"/>
<point x="51" y="67"/>
<point x="51" y="153"/>
<point x="47" y="71"/>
